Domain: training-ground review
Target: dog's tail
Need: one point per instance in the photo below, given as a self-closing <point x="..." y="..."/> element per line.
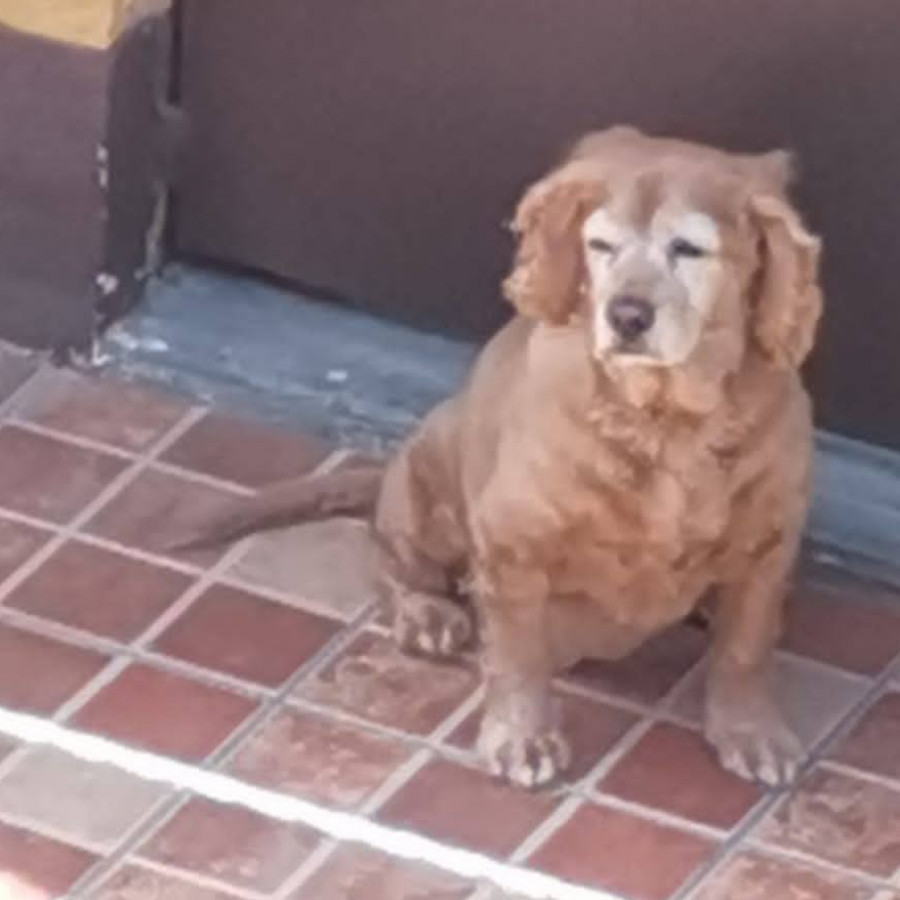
<point x="343" y="492"/>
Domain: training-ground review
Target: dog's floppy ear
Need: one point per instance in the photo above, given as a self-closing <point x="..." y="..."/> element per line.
<point x="548" y="269"/>
<point x="788" y="301"/>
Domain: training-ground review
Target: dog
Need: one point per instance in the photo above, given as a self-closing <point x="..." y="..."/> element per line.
<point x="636" y="440"/>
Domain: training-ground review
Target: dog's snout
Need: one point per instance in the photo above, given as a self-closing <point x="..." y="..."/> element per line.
<point x="630" y="316"/>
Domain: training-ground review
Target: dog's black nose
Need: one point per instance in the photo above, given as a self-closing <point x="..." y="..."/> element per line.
<point x="630" y="317"/>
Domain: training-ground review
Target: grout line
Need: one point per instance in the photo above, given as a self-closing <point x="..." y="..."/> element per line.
<point x="121" y="481"/>
<point x="744" y="835"/>
<point x="68" y="437"/>
<point x="195" y="879"/>
<point x="160" y="464"/>
<point x="801" y="857"/>
<point x="398" y="780"/>
<point x="60" y="535"/>
<point x="667" y="819"/>
<point x="882" y="781"/>
<point x="267" y="709"/>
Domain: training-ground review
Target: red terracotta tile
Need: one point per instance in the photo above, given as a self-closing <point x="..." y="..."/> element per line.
<point x="38" y="674"/>
<point x="355" y="873"/>
<point x="318" y="759"/>
<point x="157" y="509"/>
<point x="245" y="452"/>
<point x="673" y="770"/>
<point x="467" y="808"/>
<point x="649" y="673"/>
<point x="232" y="845"/>
<point x="15" y="369"/>
<point x="842" y="820"/>
<point x="244" y="635"/>
<point x="50" y="479"/>
<point x="164" y="713"/>
<point x="749" y="876"/>
<point x="618" y="852"/>
<point x="115" y="413"/>
<point x="845" y="622"/>
<point x="17" y="543"/>
<point x="373" y="679"/>
<point x="37" y="868"/>
<point x="593" y="728"/>
<point x="874" y="745"/>
<point x="99" y="591"/>
<point x="134" y="883"/>
<point x="328" y="563"/>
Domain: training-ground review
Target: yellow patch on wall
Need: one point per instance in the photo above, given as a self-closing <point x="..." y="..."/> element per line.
<point x="88" y="23"/>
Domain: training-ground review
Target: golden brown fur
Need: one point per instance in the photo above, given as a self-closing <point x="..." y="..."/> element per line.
<point x="584" y="498"/>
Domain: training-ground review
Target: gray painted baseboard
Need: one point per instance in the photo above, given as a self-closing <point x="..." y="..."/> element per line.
<point x="263" y="351"/>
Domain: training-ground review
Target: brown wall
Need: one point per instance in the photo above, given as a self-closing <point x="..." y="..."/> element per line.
<point x="80" y="162"/>
<point x="53" y="106"/>
<point x="374" y="148"/>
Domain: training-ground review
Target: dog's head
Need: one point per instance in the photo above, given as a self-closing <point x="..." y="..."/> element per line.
<point x="665" y="247"/>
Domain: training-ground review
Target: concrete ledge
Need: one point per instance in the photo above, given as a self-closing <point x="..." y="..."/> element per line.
<point x="265" y="352"/>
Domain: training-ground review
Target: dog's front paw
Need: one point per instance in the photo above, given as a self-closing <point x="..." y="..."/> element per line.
<point x="755" y="746"/>
<point x="530" y="760"/>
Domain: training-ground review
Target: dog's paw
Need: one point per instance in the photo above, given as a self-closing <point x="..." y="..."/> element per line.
<point x="527" y="760"/>
<point x="433" y="627"/>
<point x="761" y="748"/>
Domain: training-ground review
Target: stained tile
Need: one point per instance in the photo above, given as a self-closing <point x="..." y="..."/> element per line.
<point x="373" y="679"/>
<point x="649" y="673"/>
<point x="244" y="635"/>
<point x="231" y="845"/>
<point x="354" y="873"/>
<point x="38" y="674"/>
<point x="329" y="563"/>
<point x="318" y="759"/>
<point x="813" y="697"/>
<point x="131" y="882"/>
<point x="673" y="770"/>
<point x="115" y="413"/>
<point x="99" y="591"/>
<point x="17" y="543"/>
<point x="90" y="803"/>
<point x="592" y="727"/>
<point x="874" y="745"/>
<point x="618" y="852"/>
<point x="33" y="867"/>
<point x="50" y="479"/>
<point x="15" y="369"/>
<point x="467" y="808"/>
<point x="164" y="713"/>
<point x="840" y="819"/>
<point x="156" y="509"/>
<point x="754" y="877"/>
<point x="245" y="452"/>
<point x="845" y="622"/>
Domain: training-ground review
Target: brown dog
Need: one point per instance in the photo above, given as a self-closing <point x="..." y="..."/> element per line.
<point x="636" y="436"/>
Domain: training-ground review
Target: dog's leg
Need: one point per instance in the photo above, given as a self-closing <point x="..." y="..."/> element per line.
<point x="420" y="544"/>
<point x="520" y="737"/>
<point x="743" y="721"/>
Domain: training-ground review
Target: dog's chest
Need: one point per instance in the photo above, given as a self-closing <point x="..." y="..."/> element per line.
<point x="650" y="514"/>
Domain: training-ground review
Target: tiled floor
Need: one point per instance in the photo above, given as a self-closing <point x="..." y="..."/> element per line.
<point x="268" y="662"/>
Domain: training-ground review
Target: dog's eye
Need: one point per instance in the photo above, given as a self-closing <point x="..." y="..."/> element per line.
<point x="685" y="249"/>
<point x="598" y="245"/>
